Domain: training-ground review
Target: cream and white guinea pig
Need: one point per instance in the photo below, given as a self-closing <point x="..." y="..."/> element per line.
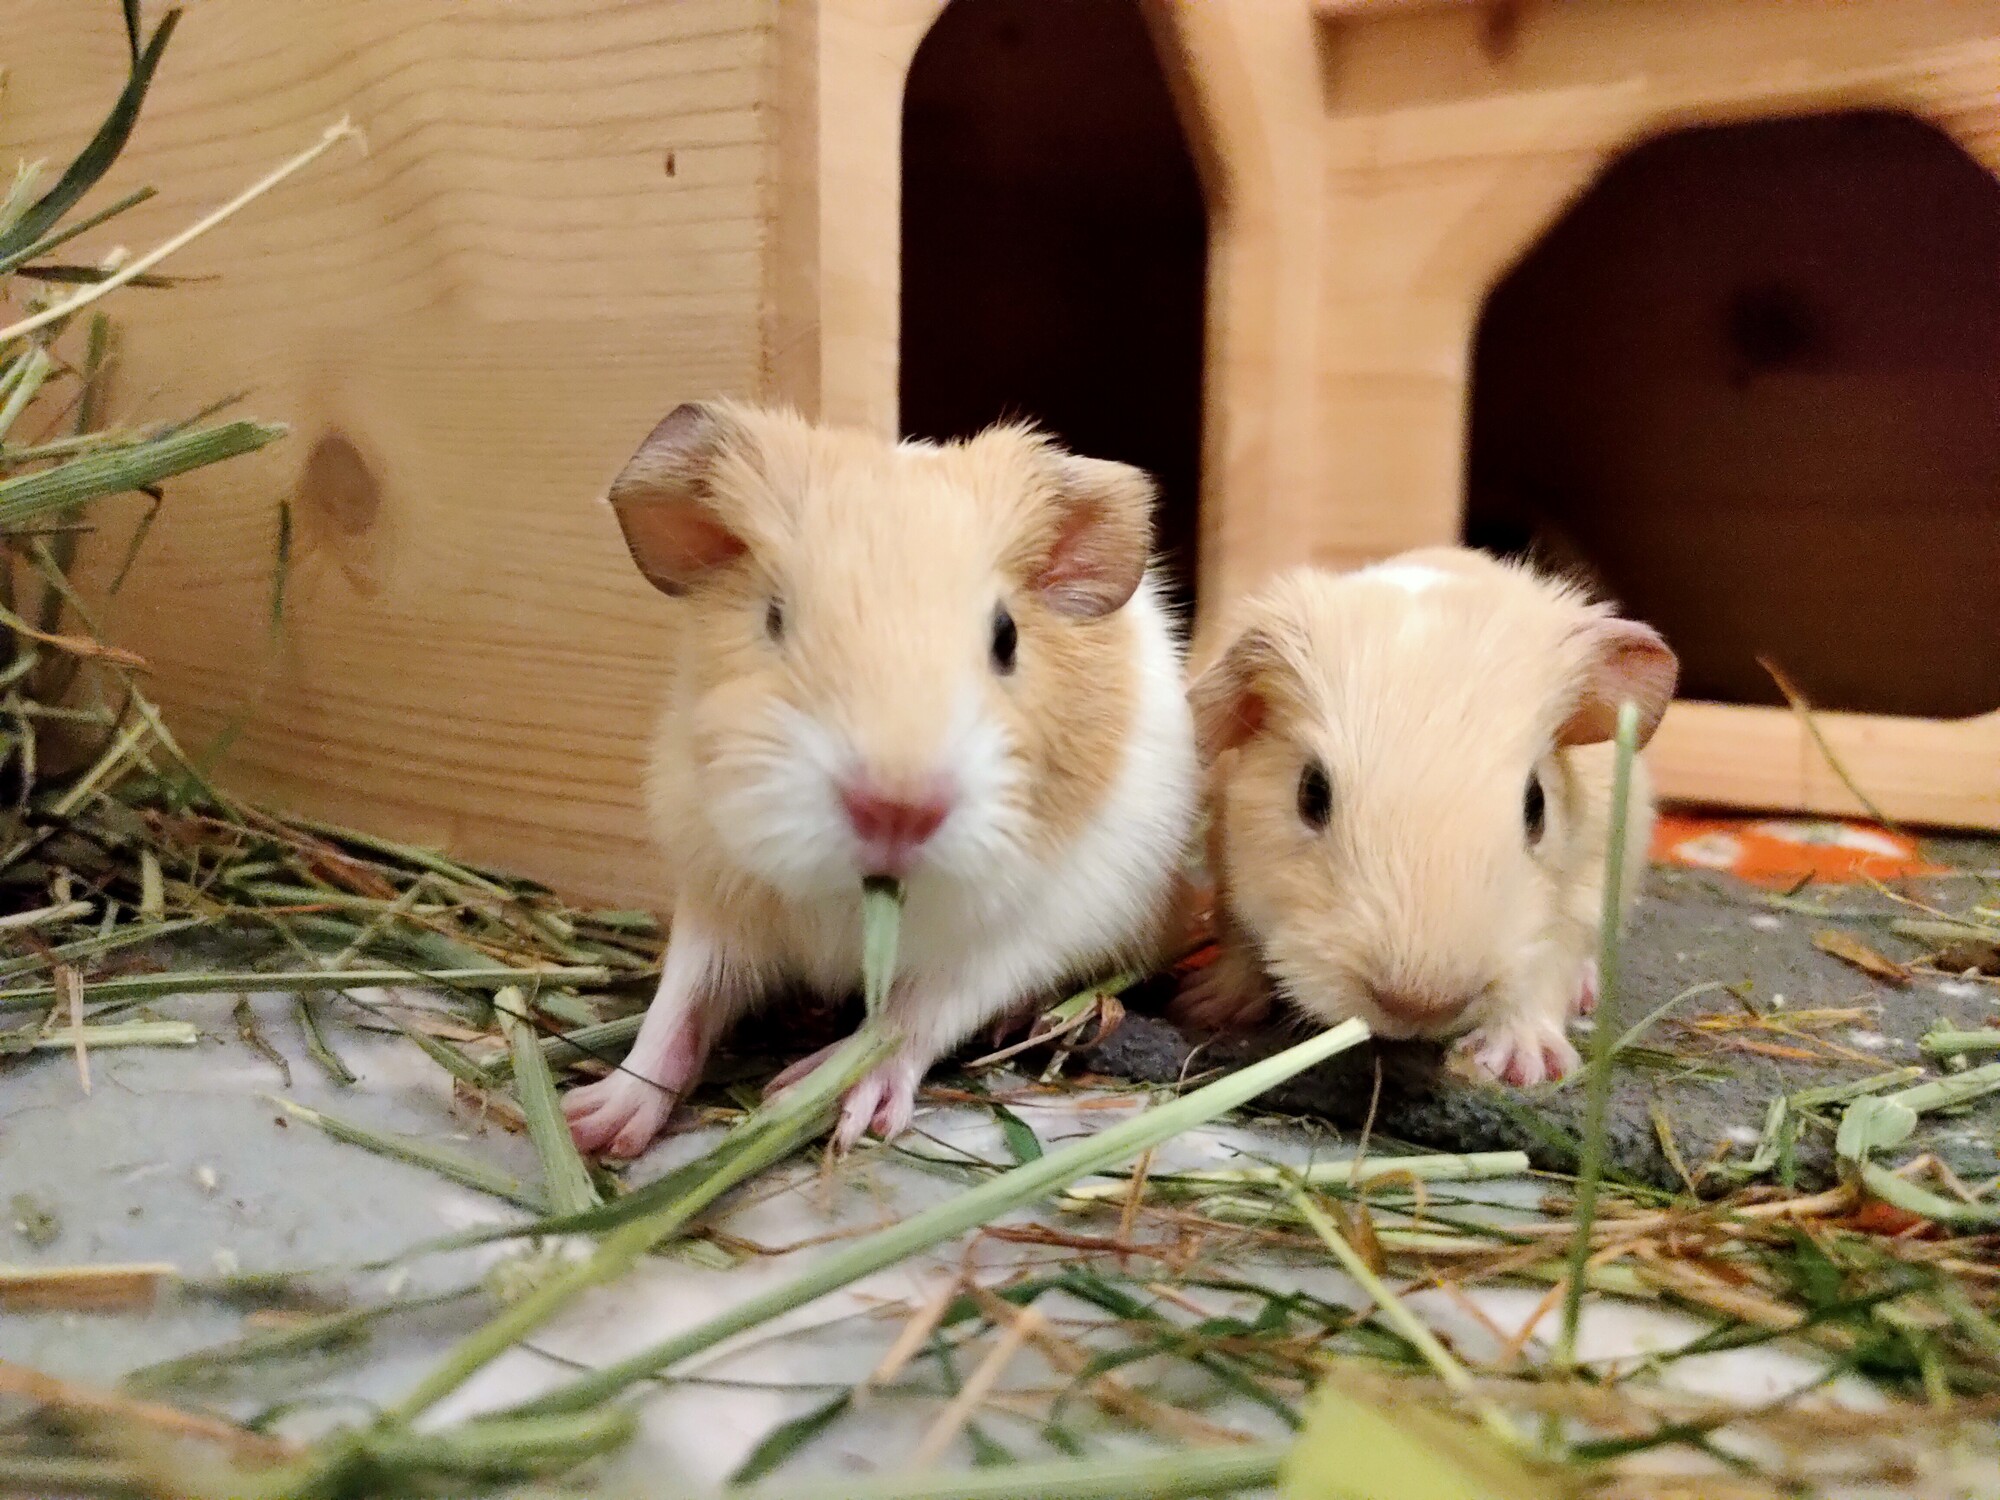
<point x="946" y="663"/>
<point x="1410" y="790"/>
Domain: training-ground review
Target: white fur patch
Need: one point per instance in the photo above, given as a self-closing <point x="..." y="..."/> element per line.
<point x="786" y="822"/>
<point x="1412" y="578"/>
<point x="788" y="826"/>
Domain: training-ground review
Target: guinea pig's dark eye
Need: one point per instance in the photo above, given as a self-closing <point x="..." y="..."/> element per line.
<point x="774" y="620"/>
<point x="1534" y="809"/>
<point x="1315" y="796"/>
<point x="1006" y="640"/>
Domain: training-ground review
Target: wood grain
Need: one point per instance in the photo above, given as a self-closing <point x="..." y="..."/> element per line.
<point x="470" y="327"/>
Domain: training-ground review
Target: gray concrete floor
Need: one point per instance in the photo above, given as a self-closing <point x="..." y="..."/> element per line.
<point x="182" y="1157"/>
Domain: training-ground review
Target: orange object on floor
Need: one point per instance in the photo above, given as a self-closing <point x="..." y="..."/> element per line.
<point x="1782" y="852"/>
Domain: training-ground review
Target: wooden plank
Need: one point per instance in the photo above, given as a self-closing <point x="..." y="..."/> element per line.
<point x="1248" y="81"/>
<point x="470" y="657"/>
<point x="1922" y="771"/>
<point x="471" y="326"/>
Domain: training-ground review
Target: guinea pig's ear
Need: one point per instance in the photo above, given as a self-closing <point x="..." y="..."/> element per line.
<point x="1228" y="695"/>
<point x="1103" y="535"/>
<point x="665" y="502"/>
<point x="1626" y="661"/>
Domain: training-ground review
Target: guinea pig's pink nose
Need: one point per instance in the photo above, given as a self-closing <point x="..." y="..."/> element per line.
<point x="893" y="826"/>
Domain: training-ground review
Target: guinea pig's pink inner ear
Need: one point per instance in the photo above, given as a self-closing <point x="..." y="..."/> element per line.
<point x="674" y="540"/>
<point x="1229" y="707"/>
<point x="1628" y="662"/>
<point x="1103" y="532"/>
<point x="662" y="498"/>
<point x="1236" y="720"/>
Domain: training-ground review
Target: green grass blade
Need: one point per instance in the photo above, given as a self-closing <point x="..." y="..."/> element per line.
<point x="1414" y="1331"/>
<point x="317" y="1046"/>
<point x="68" y="232"/>
<point x="96" y="158"/>
<point x="881" y="928"/>
<point x="1021" y="1139"/>
<point x="113" y="471"/>
<point x="1900" y="1192"/>
<point x="600" y="1039"/>
<point x="501" y="1448"/>
<point x="1472" y="1166"/>
<point x="1598" y="1099"/>
<point x="1011" y="1190"/>
<point x="563" y="1172"/>
<point x="766" y="1138"/>
<point x="26" y="384"/>
<point x="1943" y="1042"/>
<point x="420" y="1153"/>
<point x="119" y="1034"/>
<point x="787" y="1438"/>
<point x="221" y="1362"/>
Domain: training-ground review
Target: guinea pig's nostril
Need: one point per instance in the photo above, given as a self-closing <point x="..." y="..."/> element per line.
<point x="895" y="823"/>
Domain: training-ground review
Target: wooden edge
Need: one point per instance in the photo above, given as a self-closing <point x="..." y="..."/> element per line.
<point x="864" y="49"/>
<point x="1930" y="772"/>
<point x="791" y="358"/>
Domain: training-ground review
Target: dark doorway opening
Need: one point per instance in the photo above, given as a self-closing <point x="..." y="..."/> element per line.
<point x="1751" y="381"/>
<point x="1055" y="243"/>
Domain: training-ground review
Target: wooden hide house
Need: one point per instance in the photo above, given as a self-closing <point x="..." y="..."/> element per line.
<point x="1703" y="293"/>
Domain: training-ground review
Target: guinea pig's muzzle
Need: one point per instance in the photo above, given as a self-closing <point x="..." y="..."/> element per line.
<point x="1416" y="1011"/>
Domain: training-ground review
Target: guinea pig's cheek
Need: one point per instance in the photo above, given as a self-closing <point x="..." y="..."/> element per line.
<point x="769" y="780"/>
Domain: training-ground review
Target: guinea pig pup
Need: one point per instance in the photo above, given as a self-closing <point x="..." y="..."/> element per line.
<point x="945" y="663"/>
<point x="1410" y="792"/>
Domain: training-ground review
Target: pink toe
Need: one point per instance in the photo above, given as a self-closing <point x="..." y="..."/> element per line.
<point x="1525" y="1069"/>
<point x="590" y="1132"/>
<point x="855" y="1113"/>
<point x="893" y="1115"/>
<point x="636" y="1136"/>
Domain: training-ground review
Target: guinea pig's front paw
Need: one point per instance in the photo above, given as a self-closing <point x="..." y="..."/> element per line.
<point x="1521" y="1051"/>
<point x="884" y="1101"/>
<point x="618" y="1116"/>
<point x="1015" y="1023"/>
<point x="1228" y="994"/>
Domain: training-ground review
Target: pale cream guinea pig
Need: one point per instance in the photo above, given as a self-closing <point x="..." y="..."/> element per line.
<point x="1410" y="790"/>
<point x="944" y="663"/>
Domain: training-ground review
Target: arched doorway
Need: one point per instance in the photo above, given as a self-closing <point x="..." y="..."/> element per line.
<point x="1054" y="242"/>
<point x="1751" y="380"/>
